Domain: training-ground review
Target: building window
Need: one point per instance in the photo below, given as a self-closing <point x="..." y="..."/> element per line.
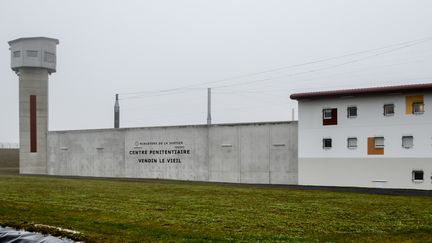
<point x="327" y="143"/>
<point x="414" y="104"/>
<point x="418" y="107"/>
<point x="379" y="142"/>
<point x="32" y="53"/>
<point x="352" y="143"/>
<point x="389" y="110"/>
<point x="49" y="57"/>
<point x="16" y="54"/>
<point x="329" y="116"/>
<point x="417" y="175"/>
<point x="352" y="112"/>
<point x="407" y="142"/>
<point x="374" y="147"/>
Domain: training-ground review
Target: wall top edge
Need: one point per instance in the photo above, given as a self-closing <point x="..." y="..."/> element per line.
<point x="181" y="126"/>
<point x="367" y="157"/>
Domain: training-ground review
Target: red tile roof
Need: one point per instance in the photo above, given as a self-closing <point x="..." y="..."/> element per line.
<point x="362" y="91"/>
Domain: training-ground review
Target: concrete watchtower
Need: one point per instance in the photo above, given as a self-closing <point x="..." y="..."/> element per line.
<point x="33" y="59"/>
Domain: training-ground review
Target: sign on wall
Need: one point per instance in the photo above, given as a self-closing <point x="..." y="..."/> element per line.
<point x="160" y="152"/>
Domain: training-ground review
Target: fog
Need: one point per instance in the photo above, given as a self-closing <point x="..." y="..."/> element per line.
<point x="161" y="56"/>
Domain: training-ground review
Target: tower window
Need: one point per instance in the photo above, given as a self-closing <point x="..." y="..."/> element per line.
<point x="389" y="110"/>
<point x="16" y="54"/>
<point x="327" y="143"/>
<point x="417" y="175"/>
<point x="49" y="57"/>
<point x="32" y="53"/>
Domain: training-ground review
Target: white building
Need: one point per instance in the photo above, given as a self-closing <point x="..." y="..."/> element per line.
<point x="372" y="137"/>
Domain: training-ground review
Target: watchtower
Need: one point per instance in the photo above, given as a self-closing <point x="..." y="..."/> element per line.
<point x="33" y="60"/>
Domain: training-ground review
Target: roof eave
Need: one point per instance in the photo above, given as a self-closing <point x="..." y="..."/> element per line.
<point x="32" y="38"/>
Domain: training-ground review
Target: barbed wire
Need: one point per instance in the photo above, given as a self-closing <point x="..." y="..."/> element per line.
<point x="9" y="145"/>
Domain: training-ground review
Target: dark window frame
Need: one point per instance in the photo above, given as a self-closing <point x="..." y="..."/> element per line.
<point x="326" y="119"/>
<point x="418" y="175"/>
<point x="350" y="108"/>
<point x="327" y="143"/>
<point x="385" y="111"/>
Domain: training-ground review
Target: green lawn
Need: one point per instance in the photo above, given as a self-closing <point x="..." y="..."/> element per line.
<point x="122" y="211"/>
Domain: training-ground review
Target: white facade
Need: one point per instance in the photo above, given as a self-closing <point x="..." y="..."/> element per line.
<point x="344" y="166"/>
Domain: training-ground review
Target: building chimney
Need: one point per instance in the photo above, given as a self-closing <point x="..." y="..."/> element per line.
<point x="116" y="113"/>
<point x="209" y="118"/>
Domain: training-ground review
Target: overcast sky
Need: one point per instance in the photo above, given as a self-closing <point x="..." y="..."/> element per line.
<point x="249" y="51"/>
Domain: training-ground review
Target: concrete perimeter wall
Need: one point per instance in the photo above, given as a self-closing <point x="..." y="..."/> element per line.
<point x="9" y="161"/>
<point x="263" y="153"/>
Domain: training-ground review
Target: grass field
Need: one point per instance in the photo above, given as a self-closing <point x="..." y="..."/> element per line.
<point x="124" y="211"/>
